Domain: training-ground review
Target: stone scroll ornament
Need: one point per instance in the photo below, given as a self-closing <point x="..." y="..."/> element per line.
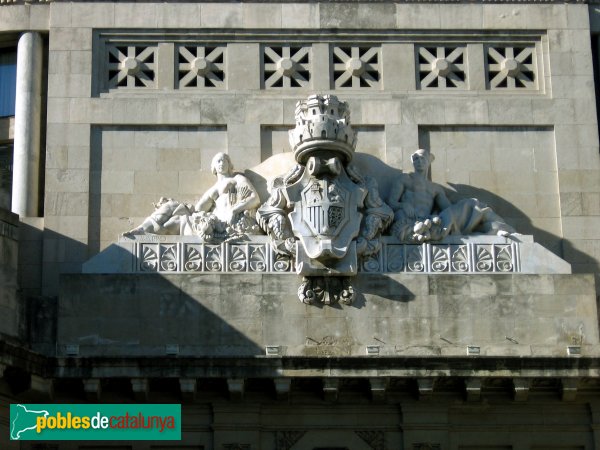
<point x="324" y="213"/>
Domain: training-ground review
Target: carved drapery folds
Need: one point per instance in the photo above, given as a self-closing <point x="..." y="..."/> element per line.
<point x="225" y="212"/>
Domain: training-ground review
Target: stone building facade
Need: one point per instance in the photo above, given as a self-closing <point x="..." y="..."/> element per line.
<point x="120" y="103"/>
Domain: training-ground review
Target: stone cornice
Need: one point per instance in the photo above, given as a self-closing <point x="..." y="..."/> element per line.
<point x="12" y="354"/>
<point x="474" y="377"/>
<point x="404" y="367"/>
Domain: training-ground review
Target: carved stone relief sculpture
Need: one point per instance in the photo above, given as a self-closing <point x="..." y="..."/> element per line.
<point x="226" y="211"/>
<point x="325" y="218"/>
<point x="422" y="211"/>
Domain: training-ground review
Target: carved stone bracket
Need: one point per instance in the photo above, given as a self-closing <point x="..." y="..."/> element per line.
<point x="425" y="386"/>
<point x="473" y="389"/>
<point x="93" y="389"/>
<point x="378" y="388"/>
<point x="569" y="388"/>
<point x="326" y="290"/>
<point x="188" y="387"/>
<point x="141" y="388"/>
<point x="521" y="388"/>
<point x="236" y="387"/>
<point x="42" y="386"/>
<point x="282" y="388"/>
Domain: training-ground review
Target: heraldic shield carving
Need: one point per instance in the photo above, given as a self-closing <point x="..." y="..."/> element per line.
<point x="324" y="209"/>
<point x="326" y="218"/>
<point x="315" y="212"/>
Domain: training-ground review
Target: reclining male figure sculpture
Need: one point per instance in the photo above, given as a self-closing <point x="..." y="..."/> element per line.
<point x="423" y="212"/>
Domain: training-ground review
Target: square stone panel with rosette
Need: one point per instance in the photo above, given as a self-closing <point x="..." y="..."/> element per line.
<point x="441" y="67"/>
<point x="511" y="67"/>
<point x="286" y="66"/>
<point x="131" y="66"/>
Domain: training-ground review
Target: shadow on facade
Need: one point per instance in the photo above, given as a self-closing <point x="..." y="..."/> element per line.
<point x="523" y="224"/>
<point x="132" y="314"/>
<point x="383" y="286"/>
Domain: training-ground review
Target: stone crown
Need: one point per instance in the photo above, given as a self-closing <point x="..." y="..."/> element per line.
<point x="322" y="123"/>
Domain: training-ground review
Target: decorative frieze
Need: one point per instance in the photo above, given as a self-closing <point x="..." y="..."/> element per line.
<point x="181" y="257"/>
<point x="134" y="62"/>
<point x="444" y="258"/>
<point x="171" y="255"/>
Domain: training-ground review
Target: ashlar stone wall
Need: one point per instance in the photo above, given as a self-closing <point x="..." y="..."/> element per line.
<point x="141" y="95"/>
